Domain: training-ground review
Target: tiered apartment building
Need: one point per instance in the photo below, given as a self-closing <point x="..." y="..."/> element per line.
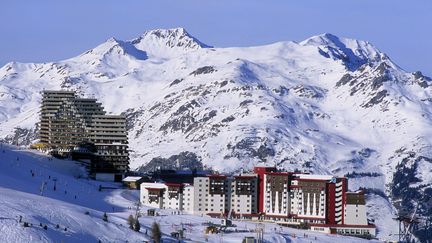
<point x="319" y="202"/>
<point x="66" y="121"/>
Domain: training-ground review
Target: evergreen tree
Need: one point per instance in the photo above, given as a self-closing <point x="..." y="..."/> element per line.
<point x="137" y="225"/>
<point x="131" y="221"/>
<point x="156" y="232"/>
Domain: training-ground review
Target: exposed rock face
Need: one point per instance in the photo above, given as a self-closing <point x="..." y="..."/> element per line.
<point x="324" y="105"/>
<point x="182" y="161"/>
<point x="20" y="137"/>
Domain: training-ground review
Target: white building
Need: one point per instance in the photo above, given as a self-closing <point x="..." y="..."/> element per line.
<point x="188" y="198"/>
<point x="200" y="193"/>
<point x="355" y="209"/>
<point x="244" y="195"/>
<point x="162" y="195"/>
<point x="308" y="197"/>
<point x="218" y="196"/>
<point x="173" y="196"/>
<point x="152" y="194"/>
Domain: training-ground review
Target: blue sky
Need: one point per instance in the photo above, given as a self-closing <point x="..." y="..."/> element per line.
<point x="51" y="30"/>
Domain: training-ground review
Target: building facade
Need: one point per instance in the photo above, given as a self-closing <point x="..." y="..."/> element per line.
<point x="66" y="121"/>
<point x="244" y="196"/>
<point x="276" y="195"/>
<point x="163" y="195"/>
<point x="319" y="202"/>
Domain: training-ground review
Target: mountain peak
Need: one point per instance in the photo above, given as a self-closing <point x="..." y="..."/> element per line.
<point x="113" y="48"/>
<point x="176" y="38"/>
<point x="352" y="52"/>
<point x="321" y="40"/>
<point x="180" y="31"/>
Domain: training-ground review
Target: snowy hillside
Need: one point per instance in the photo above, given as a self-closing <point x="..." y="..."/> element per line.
<point x="22" y="174"/>
<point x="78" y="206"/>
<point x="328" y="105"/>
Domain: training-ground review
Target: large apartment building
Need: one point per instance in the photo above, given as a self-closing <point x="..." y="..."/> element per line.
<point x="66" y="121"/>
<point x="321" y="202"/>
<point x="291" y="197"/>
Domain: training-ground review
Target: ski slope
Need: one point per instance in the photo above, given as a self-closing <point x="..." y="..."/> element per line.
<point x="23" y="172"/>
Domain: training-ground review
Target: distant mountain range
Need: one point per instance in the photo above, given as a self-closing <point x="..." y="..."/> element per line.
<point x="327" y="105"/>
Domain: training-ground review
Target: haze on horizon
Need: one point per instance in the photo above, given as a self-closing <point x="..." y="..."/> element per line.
<point x="48" y="30"/>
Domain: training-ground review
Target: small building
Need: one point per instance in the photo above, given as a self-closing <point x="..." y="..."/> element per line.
<point x="365" y="231"/>
<point x="162" y="195"/>
<point x="151" y="212"/>
<point x="133" y="182"/>
<point x="355" y="208"/>
<point x="249" y="239"/>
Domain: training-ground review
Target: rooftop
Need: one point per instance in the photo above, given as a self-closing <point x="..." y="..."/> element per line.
<point x="314" y="177"/>
<point x="131" y="178"/>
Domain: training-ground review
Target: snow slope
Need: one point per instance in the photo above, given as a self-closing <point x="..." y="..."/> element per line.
<point x="20" y="196"/>
<point x="327" y="105"/>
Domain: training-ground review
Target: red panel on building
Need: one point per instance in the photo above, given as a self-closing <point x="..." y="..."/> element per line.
<point x="331" y="202"/>
<point x="261" y="171"/>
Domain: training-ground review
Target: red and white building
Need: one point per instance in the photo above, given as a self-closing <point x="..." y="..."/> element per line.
<point x="301" y="198"/>
<point x="320" y="202"/>
<point x="162" y="195"/>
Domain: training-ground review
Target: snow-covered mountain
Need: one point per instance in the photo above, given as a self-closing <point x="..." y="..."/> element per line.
<point x="327" y="105"/>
